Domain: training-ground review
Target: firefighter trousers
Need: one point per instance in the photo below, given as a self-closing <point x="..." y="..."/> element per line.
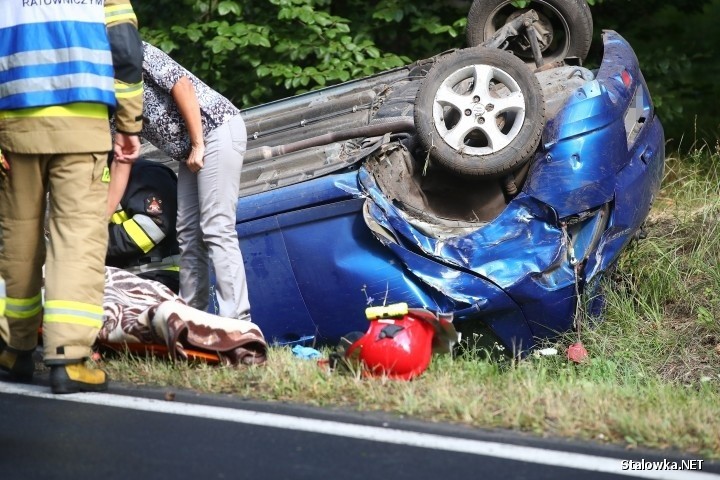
<point x="73" y="255"/>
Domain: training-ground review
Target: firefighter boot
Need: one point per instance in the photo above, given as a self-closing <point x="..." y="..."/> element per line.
<point x="19" y="364"/>
<point x="77" y="377"/>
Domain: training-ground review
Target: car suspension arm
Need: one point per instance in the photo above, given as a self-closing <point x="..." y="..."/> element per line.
<point x="405" y="124"/>
<point x="525" y="21"/>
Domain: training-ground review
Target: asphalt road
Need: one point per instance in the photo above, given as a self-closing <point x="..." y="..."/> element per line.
<point x="149" y="434"/>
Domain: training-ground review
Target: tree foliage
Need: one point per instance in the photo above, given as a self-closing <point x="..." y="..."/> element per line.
<point x="678" y="46"/>
<point x="254" y="51"/>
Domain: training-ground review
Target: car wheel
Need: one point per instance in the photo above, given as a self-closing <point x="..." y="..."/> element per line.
<point x="480" y="112"/>
<point x="565" y="27"/>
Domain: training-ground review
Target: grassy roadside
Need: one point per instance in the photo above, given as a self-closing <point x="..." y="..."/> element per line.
<point x="652" y="378"/>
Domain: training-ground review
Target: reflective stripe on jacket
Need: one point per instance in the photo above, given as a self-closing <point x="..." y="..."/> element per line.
<point x="56" y="54"/>
<point x="127" y="59"/>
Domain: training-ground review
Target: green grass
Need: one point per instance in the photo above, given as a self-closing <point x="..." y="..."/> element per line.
<point x="652" y="378"/>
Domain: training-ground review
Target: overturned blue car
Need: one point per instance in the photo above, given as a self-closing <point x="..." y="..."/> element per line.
<point x="497" y="183"/>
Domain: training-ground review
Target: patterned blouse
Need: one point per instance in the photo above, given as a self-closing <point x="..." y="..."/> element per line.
<point x="163" y="125"/>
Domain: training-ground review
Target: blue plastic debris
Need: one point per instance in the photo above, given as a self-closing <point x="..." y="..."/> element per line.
<point x="306" y="353"/>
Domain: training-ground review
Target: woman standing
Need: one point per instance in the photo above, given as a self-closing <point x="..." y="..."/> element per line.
<point x="192" y="123"/>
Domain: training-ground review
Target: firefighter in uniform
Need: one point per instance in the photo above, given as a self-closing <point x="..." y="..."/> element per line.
<point x="143" y="239"/>
<point x="64" y="68"/>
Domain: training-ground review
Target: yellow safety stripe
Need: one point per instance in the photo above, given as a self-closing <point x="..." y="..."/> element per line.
<point x="138" y="236"/>
<point x="2" y="293"/>
<point x="23" y="307"/>
<point x="389" y="311"/>
<point x="119" y="217"/>
<point x="88" y="110"/>
<point x="76" y="313"/>
<point x="119" y="13"/>
<point x="22" y="302"/>
<point x="128" y="90"/>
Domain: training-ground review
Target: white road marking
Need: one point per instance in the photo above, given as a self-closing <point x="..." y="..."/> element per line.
<point x="363" y="432"/>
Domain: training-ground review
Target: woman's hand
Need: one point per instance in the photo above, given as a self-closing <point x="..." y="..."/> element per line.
<point x="183" y="92"/>
<point x="195" y="159"/>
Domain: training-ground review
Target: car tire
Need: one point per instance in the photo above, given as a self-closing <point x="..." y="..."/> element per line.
<point x="565" y="25"/>
<point x="480" y="112"/>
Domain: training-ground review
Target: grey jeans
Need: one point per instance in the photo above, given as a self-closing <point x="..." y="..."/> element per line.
<point x="207" y="206"/>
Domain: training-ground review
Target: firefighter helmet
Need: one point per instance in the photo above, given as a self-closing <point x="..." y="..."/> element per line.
<point x="399" y="347"/>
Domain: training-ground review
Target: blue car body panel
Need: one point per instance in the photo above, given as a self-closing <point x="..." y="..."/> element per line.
<point x="313" y="267"/>
<point x="319" y="252"/>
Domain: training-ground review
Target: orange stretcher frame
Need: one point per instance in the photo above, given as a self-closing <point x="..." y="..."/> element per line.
<point x="160" y="351"/>
<point x="153" y="349"/>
